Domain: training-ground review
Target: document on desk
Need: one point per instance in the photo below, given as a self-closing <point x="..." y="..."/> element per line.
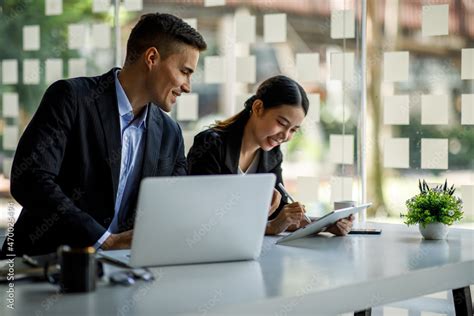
<point x="325" y="221"/>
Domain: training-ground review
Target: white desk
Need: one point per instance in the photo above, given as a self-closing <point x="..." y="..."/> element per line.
<point x="320" y="275"/>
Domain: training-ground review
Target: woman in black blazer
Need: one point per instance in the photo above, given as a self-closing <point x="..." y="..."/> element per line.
<point x="249" y="142"/>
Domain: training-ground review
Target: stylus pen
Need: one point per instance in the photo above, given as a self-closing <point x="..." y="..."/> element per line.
<point x="280" y="185"/>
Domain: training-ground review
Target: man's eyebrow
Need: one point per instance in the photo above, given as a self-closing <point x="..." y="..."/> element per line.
<point x="288" y="121"/>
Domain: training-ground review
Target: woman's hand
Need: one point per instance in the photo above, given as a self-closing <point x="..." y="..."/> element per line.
<point x="342" y="227"/>
<point x="276" y="198"/>
<point x="290" y="215"/>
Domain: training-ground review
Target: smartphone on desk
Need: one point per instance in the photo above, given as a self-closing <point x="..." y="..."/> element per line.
<point x="365" y="231"/>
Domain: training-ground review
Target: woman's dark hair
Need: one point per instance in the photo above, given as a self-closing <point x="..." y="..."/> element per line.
<point x="273" y="92"/>
<point x="163" y="31"/>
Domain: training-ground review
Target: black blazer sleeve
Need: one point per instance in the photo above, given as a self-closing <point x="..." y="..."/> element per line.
<point x="278" y="173"/>
<point x="180" y="166"/>
<point x="206" y="154"/>
<point x="38" y="161"/>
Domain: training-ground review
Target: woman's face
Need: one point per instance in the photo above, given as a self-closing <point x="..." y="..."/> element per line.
<point x="275" y="126"/>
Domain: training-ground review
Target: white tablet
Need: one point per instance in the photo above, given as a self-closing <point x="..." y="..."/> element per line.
<point x="325" y="221"/>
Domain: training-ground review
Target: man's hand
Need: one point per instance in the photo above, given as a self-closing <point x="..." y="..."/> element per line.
<point x="342" y="226"/>
<point x="118" y="241"/>
<point x="276" y="198"/>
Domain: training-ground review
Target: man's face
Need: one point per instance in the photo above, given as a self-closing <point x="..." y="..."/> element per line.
<point x="170" y="77"/>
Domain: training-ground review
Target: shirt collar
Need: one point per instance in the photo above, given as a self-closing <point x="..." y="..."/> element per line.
<point x="124" y="106"/>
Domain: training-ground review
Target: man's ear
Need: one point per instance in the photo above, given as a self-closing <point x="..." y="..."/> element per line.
<point x="257" y="107"/>
<point x="152" y="57"/>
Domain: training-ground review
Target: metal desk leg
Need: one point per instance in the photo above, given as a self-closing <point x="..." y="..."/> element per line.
<point x="366" y="312"/>
<point x="462" y="301"/>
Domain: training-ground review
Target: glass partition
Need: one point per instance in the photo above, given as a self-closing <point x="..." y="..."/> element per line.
<point x="419" y="75"/>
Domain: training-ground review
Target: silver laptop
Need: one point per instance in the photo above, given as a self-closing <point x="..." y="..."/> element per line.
<point x="196" y="219"/>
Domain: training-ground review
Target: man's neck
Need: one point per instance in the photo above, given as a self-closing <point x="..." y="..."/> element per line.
<point x="134" y="89"/>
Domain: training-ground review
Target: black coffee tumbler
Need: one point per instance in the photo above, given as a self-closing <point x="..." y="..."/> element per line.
<point x="78" y="269"/>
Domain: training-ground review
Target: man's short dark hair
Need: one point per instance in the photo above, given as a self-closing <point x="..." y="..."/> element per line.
<point x="165" y="32"/>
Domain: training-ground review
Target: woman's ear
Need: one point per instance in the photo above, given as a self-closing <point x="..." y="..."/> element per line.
<point x="257" y="107"/>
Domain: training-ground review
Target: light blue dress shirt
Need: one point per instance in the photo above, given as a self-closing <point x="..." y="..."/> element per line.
<point x="132" y="131"/>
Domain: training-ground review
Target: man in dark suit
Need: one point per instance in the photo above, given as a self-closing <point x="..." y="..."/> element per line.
<point x="78" y="165"/>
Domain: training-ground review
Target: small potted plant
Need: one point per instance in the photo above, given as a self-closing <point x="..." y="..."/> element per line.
<point x="434" y="209"/>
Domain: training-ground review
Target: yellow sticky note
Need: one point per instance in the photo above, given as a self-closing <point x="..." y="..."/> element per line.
<point x="341" y="189"/>
<point x="342" y="66"/>
<point x="246" y="69"/>
<point x="54" y="70"/>
<point x="396" y="153"/>
<point x="240" y="102"/>
<point x="214" y="3"/>
<point x="53" y="7"/>
<point x="31" y="37"/>
<point x="307" y="67"/>
<point x="342" y="24"/>
<point x="77" y="67"/>
<point x="435" y="20"/>
<point x="187" y="107"/>
<point x="7" y="167"/>
<point x="434" y="109"/>
<point x="31" y="71"/>
<point x="99" y="6"/>
<point x="274" y="28"/>
<point x="341" y="149"/>
<point x="396" y="110"/>
<point x="10" y="137"/>
<point x="313" y="117"/>
<point x="467" y="109"/>
<point x="101" y="35"/>
<point x="467" y="63"/>
<point x="11" y="106"/>
<point x="77" y="34"/>
<point x="307" y="188"/>
<point x="467" y="195"/>
<point x="245" y="26"/>
<point x="10" y="71"/>
<point x="214" y="69"/>
<point x="188" y="137"/>
<point x="396" y="66"/>
<point x="133" y="5"/>
<point x="434" y="153"/>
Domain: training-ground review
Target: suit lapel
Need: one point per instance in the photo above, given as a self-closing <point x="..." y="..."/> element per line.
<point x="269" y="160"/>
<point x="232" y="151"/>
<point x="107" y="108"/>
<point x="154" y="134"/>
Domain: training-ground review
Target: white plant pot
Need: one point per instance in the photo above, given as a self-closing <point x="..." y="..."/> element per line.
<point x="434" y="231"/>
